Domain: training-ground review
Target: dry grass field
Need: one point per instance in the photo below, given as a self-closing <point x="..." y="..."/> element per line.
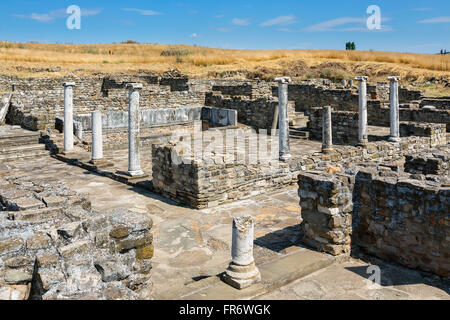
<point x="54" y="60"/>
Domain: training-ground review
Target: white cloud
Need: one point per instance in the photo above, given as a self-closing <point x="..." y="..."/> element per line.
<point x="143" y="12"/>
<point x="219" y="16"/>
<point x="240" y="22"/>
<point x="194" y="35"/>
<point x="331" y="24"/>
<point x="355" y="24"/>
<point x="436" y="20"/>
<point x="280" y="21"/>
<point x="57" y="14"/>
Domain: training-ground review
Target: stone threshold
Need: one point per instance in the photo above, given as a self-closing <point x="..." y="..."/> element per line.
<point x="274" y="275"/>
<point x="102" y="169"/>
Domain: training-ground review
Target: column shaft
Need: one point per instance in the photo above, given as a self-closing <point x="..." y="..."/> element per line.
<point x="97" y="136"/>
<point x="327" y="130"/>
<point x="134" y="161"/>
<point x="394" y="110"/>
<point x="362" y="116"/>
<point x="283" y="118"/>
<point x="68" y="116"/>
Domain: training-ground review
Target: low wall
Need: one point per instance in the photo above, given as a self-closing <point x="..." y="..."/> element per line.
<point x="403" y="220"/>
<point x="438" y="103"/>
<point x="378" y="115"/>
<point x="344" y="123"/>
<point x="434" y="162"/>
<point x="225" y="176"/>
<point x="218" y="179"/>
<point x="382" y="213"/>
<point x="257" y="113"/>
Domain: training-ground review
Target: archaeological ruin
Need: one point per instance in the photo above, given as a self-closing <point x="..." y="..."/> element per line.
<point x="163" y="187"/>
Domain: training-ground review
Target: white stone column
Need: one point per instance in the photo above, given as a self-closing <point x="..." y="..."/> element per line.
<point x="134" y="160"/>
<point x="283" y="118"/>
<point x="327" y="130"/>
<point x="68" y="116"/>
<point x="394" y="110"/>
<point x="97" y="137"/>
<point x="362" y="116"/>
<point x="242" y="271"/>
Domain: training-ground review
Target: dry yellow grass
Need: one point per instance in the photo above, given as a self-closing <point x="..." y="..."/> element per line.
<point x="22" y="59"/>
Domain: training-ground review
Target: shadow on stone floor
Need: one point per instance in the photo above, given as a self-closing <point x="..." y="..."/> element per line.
<point x="143" y="192"/>
<point x="282" y="239"/>
<point x="395" y="275"/>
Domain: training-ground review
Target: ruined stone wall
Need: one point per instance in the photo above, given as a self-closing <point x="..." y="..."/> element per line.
<point x="406" y="95"/>
<point x="257" y="113"/>
<point x="224" y="175"/>
<point x="327" y="206"/>
<point x="310" y="96"/>
<point x="217" y="179"/>
<point x="434" y="134"/>
<point x="344" y="123"/>
<point x="438" y="103"/>
<point x="378" y="114"/>
<point x="53" y="246"/>
<point x="383" y="213"/>
<point x="434" y="162"/>
<point x="403" y="220"/>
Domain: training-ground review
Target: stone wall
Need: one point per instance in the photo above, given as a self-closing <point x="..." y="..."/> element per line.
<point x="344" y="126"/>
<point x="257" y="113"/>
<point x="226" y="175"/>
<point x="216" y="178"/>
<point x="327" y="206"/>
<point x="434" y="162"/>
<point x="381" y="212"/>
<point x="438" y="103"/>
<point x="403" y="220"/>
<point x="53" y="246"/>
<point x="378" y="114"/>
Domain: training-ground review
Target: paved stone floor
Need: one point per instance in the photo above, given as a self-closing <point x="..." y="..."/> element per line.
<point x="348" y="281"/>
<point x="191" y="245"/>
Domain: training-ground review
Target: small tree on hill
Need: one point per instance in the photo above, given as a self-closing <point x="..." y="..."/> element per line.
<point x="350" y="46"/>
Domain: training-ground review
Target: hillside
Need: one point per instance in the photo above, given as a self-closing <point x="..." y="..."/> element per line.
<point x="55" y="60"/>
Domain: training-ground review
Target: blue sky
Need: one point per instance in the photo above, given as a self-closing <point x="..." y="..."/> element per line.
<point x="407" y="26"/>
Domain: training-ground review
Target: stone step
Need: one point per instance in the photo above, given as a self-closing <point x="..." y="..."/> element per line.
<point x="23" y="152"/>
<point x="298" y="133"/>
<point x="18" y="141"/>
<point x="299" y="121"/>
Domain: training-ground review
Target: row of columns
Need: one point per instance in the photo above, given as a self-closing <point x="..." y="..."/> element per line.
<point x="362" y="118"/>
<point x="134" y="166"/>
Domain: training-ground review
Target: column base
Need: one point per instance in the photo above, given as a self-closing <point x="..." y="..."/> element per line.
<point x="363" y="144"/>
<point x="68" y="152"/>
<point x="327" y="150"/>
<point x="241" y="277"/>
<point x="394" y="139"/>
<point x="285" y="157"/>
<point x="100" y="163"/>
<point x="136" y="173"/>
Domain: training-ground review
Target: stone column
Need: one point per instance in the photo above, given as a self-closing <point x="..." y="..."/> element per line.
<point x="97" y="137"/>
<point x="134" y="161"/>
<point x="395" y="110"/>
<point x="242" y="271"/>
<point x="327" y="131"/>
<point x="362" y="132"/>
<point x="68" y="116"/>
<point x="283" y="118"/>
